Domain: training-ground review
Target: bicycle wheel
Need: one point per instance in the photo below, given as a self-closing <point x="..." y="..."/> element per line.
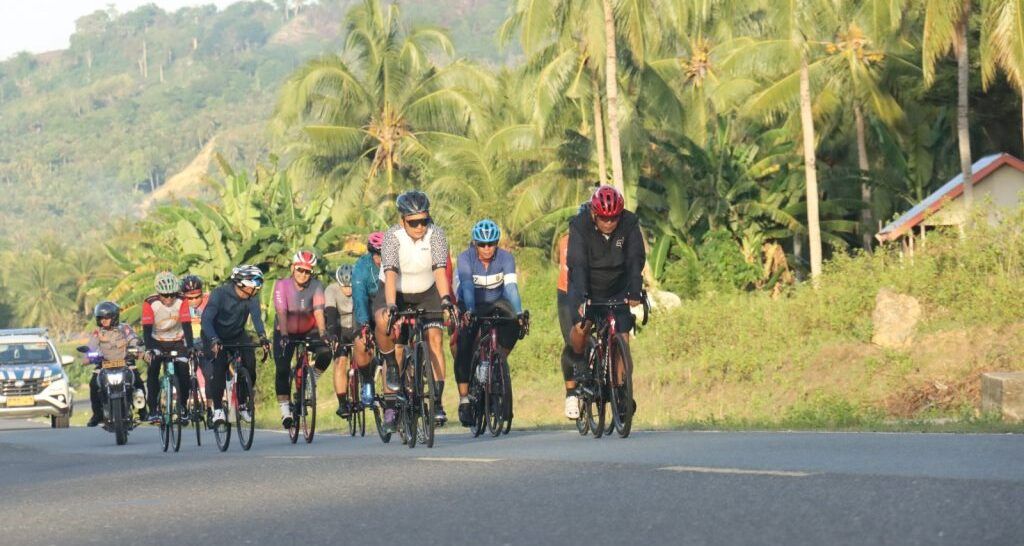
<point x="427" y="393"/>
<point x="476" y="401"/>
<point x="621" y="389"/>
<point x="353" y="397"/>
<point x="309" y="405"/>
<point x="296" y="402"/>
<point x="246" y="404"/>
<point x="583" y="421"/>
<point x="598" y="406"/>
<point x="496" y="397"/>
<point x="222" y="432"/>
<point x="409" y="412"/>
<point x="164" y="407"/>
<point x="195" y="412"/>
<point x="173" y="418"/>
<point x="378" y="419"/>
<point x="508" y="397"/>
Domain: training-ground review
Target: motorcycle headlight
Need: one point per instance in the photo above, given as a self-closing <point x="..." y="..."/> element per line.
<point x="115" y="378"/>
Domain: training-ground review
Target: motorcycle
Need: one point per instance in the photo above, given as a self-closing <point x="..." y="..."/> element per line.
<point x="116" y="380"/>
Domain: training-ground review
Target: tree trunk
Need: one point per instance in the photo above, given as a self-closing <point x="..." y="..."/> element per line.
<point x="602" y="167"/>
<point x="144" y="62"/>
<point x="612" y="90"/>
<point x="962" y="111"/>
<point x="863" y="165"/>
<point x="810" y="169"/>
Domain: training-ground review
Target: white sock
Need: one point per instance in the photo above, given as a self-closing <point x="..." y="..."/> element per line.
<point x="464" y="399"/>
<point x="285" y="410"/>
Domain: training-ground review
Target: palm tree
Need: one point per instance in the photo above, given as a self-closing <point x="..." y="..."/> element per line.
<point x="1002" y="44"/>
<point x="361" y="114"/>
<point x="945" y="26"/>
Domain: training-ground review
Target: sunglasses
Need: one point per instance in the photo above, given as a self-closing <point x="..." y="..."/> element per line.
<point x="419" y="222"/>
<point x="608" y="218"/>
<point x="200" y="296"/>
<point x="303" y="271"/>
<point x="486" y="245"/>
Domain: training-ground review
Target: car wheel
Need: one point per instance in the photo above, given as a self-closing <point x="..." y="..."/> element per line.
<point x="59" y="421"/>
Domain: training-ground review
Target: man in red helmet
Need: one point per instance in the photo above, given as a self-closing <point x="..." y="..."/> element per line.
<point x="605" y="257"/>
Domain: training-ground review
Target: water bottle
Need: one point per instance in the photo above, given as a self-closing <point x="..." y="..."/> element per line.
<point x="482" y="370"/>
<point x="367" y="394"/>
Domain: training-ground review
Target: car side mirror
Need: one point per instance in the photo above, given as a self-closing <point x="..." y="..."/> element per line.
<point x="66" y="360"/>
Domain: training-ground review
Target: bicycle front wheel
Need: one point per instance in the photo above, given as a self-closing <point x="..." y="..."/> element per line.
<point x="427" y="394"/>
<point x="173" y="418"/>
<point x="196" y="412"/>
<point x="296" y="403"/>
<point x="245" y="413"/>
<point x="496" y="397"/>
<point x="309" y="404"/>
<point x="164" y="407"/>
<point x="621" y="386"/>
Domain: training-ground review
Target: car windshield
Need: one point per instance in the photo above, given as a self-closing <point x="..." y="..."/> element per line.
<point x="13" y="354"/>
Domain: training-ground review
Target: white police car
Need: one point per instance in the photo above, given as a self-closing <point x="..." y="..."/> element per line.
<point x="32" y="378"/>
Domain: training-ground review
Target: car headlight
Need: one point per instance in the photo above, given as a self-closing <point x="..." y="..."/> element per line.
<point x="115" y="378"/>
<point x="56" y="382"/>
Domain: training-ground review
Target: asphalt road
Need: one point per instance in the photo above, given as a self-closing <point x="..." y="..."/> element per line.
<point x="75" y="486"/>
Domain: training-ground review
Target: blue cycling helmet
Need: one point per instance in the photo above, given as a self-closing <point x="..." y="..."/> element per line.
<point x="486" y="231"/>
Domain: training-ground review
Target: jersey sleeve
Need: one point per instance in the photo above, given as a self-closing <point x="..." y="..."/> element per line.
<point x="184" y="315"/>
<point x="439" y="252"/>
<point x="360" y="294"/>
<point x="464" y="273"/>
<point x="389" y="250"/>
<point x="319" y="297"/>
<point x="148" y="317"/>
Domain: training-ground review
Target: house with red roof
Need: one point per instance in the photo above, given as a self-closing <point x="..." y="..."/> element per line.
<point x="998" y="185"/>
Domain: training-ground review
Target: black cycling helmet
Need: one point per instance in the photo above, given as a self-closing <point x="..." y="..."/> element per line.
<point x="412" y="202"/>
<point x="107" y="309"/>
<point x="191" y="283"/>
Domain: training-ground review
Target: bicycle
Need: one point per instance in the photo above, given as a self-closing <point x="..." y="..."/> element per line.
<point x="356" y="409"/>
<point x="303" y="398"/>
<point x="377" y="406"/>
<point x="196" y="404"/>
<point x="416" y="399"/>
<point x="490" y="385"/>
<point x="607" y="379"/>
<point x="170" y="422"/>
<point x="239" y="398"/>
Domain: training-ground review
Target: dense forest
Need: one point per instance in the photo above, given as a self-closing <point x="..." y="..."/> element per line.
<point x="754" y="139"/>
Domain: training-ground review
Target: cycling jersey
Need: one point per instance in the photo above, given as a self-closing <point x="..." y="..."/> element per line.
<point x="339" y="305"/>
<point x="165" y="323"/>
<point x="414" y="261"/>
<point x="604" y="266"/>
<point x="480" y="284"/>
<point x="295" y="306"/>
<point x="196" y="315"/>
<point x="225" y="315"/>
<point x="365" y="284"/>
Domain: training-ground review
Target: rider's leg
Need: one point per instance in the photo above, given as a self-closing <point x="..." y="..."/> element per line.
<point x="282" y="368"/>
<point x="153" y="383"/>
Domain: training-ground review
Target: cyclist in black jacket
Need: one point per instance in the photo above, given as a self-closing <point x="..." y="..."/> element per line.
<point x="605" y="259"/>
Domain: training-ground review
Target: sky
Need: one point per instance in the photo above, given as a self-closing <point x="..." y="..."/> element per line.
<point x="45" y="25"/>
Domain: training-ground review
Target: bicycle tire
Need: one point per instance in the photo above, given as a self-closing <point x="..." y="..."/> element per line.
<point x="621" y="396"/>
<point x="476" y="402"/>
<point x="164" y="407"/>
<point x="378" y="419"/>
<point x="408" y="411"/>
<point x="427" y="387"/>
<point x="583" y="421"/>
<point x="508" y="396"/>
<point x="174" y="415"/>
<point x="496" y="398"/>
<point x="295" y="403"/>
<point x="195" y="411"/>
<point x="309" y="405"/>
<point x="598" y="403"/>
<point x="352" y="392"/>
<point x="246" y="430"/>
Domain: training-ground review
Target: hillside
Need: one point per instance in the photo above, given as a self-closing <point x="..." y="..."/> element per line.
<point x="86" y="133"/>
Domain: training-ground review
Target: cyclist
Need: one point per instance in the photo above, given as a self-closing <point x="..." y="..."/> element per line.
<point x="338" y="314"/>
<point x="230" y="306"/>
<point x="166" y="327"/>
<point x="605" y="257"/>
<point x="112" y="339"/>
<point x="365" y="284"/>
<point x="487" y="285"/>
<point x="192" y="290"/>
<point x="299" y="303"/>
<point x="413" y="270"/>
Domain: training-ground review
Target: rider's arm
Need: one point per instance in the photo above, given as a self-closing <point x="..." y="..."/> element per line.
<point x="360" y="297"/>
<point x="331" y="314"/>
<point x="467" y="292"/>
<point x="257" y="318"/>
<point x="576" y="259"/>
<point x="281" y="305"/>
<point x="510" y="287"/>
<point x="635" y="258"/>
<point x="208" y="320"/>
<point x="389" y="264"/>
<point x="185" y="318"/>
<point x="439" y="254"/>
<point x="148" y="319"/>
<point x="318" y="309"/>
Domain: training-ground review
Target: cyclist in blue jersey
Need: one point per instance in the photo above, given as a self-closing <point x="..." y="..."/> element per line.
<point x="486" y="285"/>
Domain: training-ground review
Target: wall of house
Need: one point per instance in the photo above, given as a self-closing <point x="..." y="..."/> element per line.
<point x="999" y="191"/>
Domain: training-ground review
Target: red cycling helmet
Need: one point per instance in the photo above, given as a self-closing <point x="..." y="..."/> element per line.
<point x="375" y="241"/>
<point x="304" y="258"/>
<point x="607" y="201"/>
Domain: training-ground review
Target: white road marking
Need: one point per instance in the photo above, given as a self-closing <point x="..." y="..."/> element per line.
<point x="457" y="459"/>
<point x="288" y="457"/>
<point x="743" y="471"/>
